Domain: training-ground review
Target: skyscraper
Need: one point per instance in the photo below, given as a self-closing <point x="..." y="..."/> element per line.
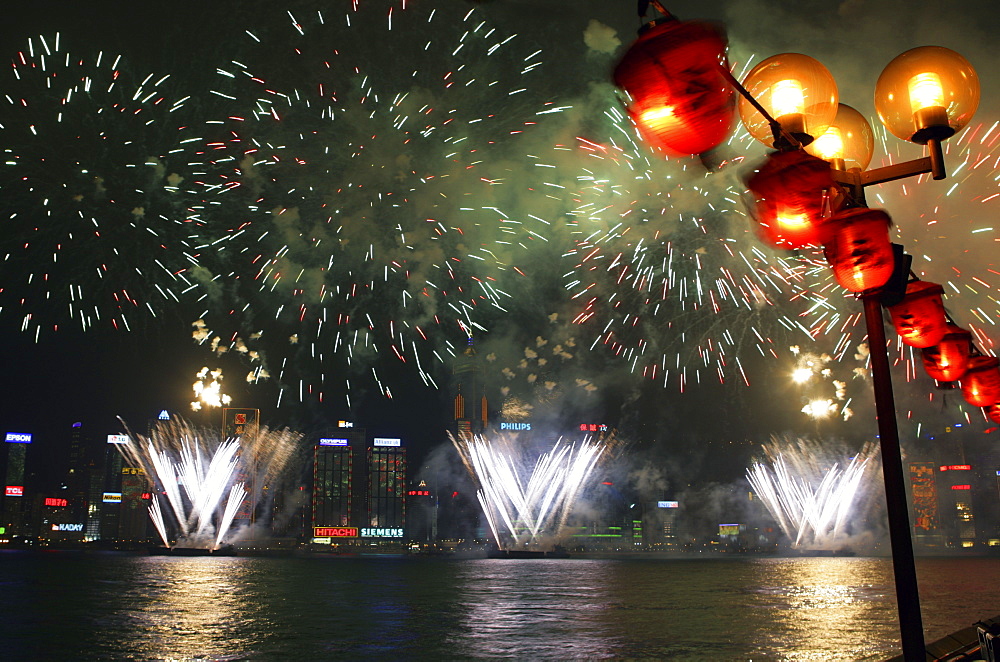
<point x="471" y="410"/>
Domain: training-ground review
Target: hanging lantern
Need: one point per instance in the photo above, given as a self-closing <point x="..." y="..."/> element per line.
<point x="678" y="96"/>
<point x="857" y="246"/>
<point x="919" y="318"/>
<point x="791" y="193"/>
<point x="949" y="359"/>
<point x="981" y="382"/>
<point x="993" y="411"/>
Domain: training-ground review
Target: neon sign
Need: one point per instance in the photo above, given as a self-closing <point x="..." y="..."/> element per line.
<point x="335" y="531"/>
<point x="58" y="503"/>
<point x="117" y="438"/>
<point x="75" y="528"/>
<point x="381" y="533"/>
<point x="18" y="438"/>
<point x="593" y="427"/>
<point x="961" y="487"/>
<point x="15" y="490"/>
<point x="382" y="441"/>
<point x="667" y="504"/>
<point x="112" y="497"/>
<point x="333" y="442"/>
<point x="418" y="493"/>
<point x="515" y="426"/>
<point x="345" y="424"/>
<point x="956" y="467"/>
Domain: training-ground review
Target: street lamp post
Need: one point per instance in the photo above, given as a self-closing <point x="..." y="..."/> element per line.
<point x="790" y="102"/>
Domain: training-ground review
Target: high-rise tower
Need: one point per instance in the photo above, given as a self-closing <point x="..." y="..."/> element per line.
<point x="471" y="411"/>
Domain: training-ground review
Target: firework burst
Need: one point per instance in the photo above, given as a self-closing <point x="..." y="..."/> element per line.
<point x="364" y="189"/>
<point x="96" y="232"/>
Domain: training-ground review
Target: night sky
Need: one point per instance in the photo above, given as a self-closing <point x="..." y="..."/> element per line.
<point x="519" y="163"/>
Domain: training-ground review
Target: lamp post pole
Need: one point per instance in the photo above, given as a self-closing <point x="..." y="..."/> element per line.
<point x="903" y="566"/>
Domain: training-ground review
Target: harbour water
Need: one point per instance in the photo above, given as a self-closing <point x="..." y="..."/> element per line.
<point x="111" y="606"/>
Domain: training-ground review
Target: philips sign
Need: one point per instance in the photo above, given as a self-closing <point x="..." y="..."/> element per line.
<point x="333" y="442"/>
<point x="117" y="438"/>
<point x="515" y="426"/>
<point x="382" y="441"/>
<point x="18" y="438"/>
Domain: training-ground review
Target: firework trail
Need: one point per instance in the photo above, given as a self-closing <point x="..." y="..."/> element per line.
<point x="527" y="500"/>
<point x="205" y="480"/>
<point x="665" y="268"/>
<point x="363" y="188"/>
<point x="810" y="492"/>
<point x="96" y="231"/>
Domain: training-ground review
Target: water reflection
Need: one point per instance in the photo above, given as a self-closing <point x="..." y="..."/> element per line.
<point x="114" y="607"/>
<point x="195" y="607"/>
<point x="844" y="604"/>
<point x="534" y="609"/>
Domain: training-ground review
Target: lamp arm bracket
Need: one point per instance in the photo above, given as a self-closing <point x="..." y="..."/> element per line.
<point x="782" y="139"/>
<point x="896" y="171"/>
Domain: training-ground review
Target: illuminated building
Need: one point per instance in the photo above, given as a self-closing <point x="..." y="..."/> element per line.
<point x="359" y="490"/>
<point x="386" y="486"/>
<point x="244" y="423"/>
<point x="422" y="513"/>
<point x="333" y="503"/>
<point x="957" y="520"/>
<point x="14" y="511"/>
<point x="471" y="411"/>
<point x="111" y="488"/>
<point x="926" y="517"/>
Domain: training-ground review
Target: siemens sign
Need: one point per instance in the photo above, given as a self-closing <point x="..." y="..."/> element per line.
<point x="18" y="438"/>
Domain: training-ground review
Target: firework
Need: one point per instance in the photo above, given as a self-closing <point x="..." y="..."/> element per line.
<point x="666" y="269"/>
<point x="527" y="500"/>
<point x="96" y="231"/>
<point x="810" y="493"/>
<point x="206" y="481"/>
<point x="364" y="190"/>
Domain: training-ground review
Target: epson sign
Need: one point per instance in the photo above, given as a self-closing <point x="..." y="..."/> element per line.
<point x="18" y="438"/>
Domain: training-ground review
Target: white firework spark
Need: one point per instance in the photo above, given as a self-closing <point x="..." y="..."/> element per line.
<point x="527" y="505"/>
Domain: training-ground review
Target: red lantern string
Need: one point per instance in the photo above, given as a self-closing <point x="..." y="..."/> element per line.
<point x="858" y="248"/>
<point x="680" y="100"/>
<point x="920" y="318"/>
<point x="949" y="359"/>
<point x="981" y="382"/>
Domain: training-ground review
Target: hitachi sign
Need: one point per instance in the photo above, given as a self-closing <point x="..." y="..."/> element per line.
<point x="18" y="438"/>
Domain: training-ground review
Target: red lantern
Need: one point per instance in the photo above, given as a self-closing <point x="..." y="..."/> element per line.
<point x="858" y="248"/>
<point x="791" y="191"/>
<point x="679" y="97"/>
<point x="949" y="359"/>
<point x="993" y="411"/>
<point x="919" y="318"/>
<point x="981" y="382"/>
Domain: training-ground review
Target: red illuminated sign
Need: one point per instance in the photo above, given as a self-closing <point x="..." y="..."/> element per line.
<point x="15" y="490"/>
<point x="419" y="493"/>
<point x="58" y="503"/>
<point x="956" y="467"/>
<point x="593" y="427"/>
<point x="335" y="531"/>
<point x="961" y="487"/>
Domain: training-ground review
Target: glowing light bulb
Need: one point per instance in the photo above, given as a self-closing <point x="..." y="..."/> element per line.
<point x="927" y="101"/>
<point x="925" y="91"/>
<point x="829" y="146"/>
<point x="787" y="97"/>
